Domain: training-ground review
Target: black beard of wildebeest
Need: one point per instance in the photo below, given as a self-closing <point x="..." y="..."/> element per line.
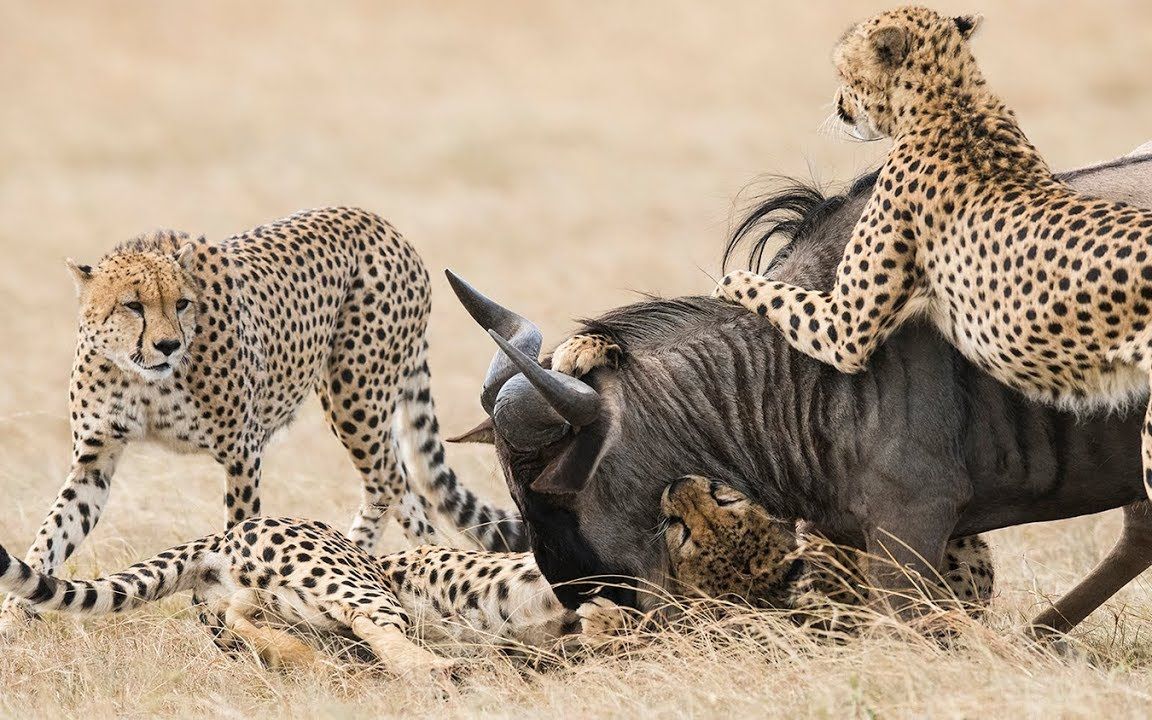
<point x="923" y="446"/>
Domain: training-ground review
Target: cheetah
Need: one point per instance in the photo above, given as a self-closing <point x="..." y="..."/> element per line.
<point x="1046" y="289"/>
<point x="212" y="346"/>
<point x="721" y="544"/>
<point x="265" y="574"/>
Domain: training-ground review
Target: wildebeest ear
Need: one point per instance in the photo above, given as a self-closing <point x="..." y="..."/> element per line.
<point x="81" y="274"/>
<point x="484" y="433"/>
<point x="572" y="469"/>
<point x="967" y="24"/>
<point x="891" y="46"/>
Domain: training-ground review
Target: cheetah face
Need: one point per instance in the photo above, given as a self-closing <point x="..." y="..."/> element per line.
<point x="891" y="55"/>
<point x="139" y="310"/>
<point x="721" y="543"/>
<point x="852" y="110"/>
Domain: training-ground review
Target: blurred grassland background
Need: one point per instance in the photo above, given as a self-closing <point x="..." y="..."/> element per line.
<point x="561" y="156"/>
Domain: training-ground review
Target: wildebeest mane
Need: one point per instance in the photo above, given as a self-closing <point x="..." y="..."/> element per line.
<point x="790" y="213"/>
<point x="654" y="319"/>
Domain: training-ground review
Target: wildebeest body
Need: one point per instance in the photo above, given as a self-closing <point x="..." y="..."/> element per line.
<point x="922" y="447"/>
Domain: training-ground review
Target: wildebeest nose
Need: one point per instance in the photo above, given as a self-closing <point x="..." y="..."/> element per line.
<point x="167" y="346"/>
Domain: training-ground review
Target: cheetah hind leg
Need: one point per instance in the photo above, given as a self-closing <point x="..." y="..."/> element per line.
<point x="366" y="430"/>
<point x="276" y="648"/>
<point x="1146" y="446"/>
<point x="399" y="654"/>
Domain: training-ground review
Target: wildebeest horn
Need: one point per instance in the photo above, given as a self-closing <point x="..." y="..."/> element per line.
<point x="519" y="331"/>
<point x="572" y="399"/>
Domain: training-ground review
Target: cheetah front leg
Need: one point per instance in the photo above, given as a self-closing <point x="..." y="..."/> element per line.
<point x="74" y="514"/>
<point x="875" y="282"/>
<point x="242" y="495"/>
<point x="581" y="354"/>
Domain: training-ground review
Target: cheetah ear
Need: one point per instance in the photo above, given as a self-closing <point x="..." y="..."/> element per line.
<point x="185" y="257"/>
<point x="891" y="46"/>
<point x="81" y="274"/>
<point x="967" y="24"/>
<point x="484" y="433"/>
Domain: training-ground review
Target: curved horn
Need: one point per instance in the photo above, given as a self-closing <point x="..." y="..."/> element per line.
<point x="519" y="331"/>
<point x="572" y="399"/>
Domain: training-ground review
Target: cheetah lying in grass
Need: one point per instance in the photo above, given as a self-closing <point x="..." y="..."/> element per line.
<point x="212" y="346"/>
<point x="301" y="572"/>
<point x="266" y="573"/>
<point x="1048" y="290"/>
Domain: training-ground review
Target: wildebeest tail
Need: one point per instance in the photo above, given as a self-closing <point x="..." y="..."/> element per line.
<point x="171" y="571"/>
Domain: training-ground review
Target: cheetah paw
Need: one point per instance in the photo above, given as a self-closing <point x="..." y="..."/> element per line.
<point x="736" y="285"/>
<point x="601" y="617"/>
<point x="580" y="354"/>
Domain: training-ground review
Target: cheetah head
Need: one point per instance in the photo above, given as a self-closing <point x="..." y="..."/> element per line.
<point x="138" y="306"/>
<point x="721" y="543"/>
<point x="893" y="63"/>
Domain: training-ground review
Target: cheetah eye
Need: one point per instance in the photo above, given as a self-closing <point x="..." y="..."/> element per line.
<point x="135" y="307"/>
<point x="723" y="497"/>
<point x="182" y="304"/>
<point x="677" y="523"/>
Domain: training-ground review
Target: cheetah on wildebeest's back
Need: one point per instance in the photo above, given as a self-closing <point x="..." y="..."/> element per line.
<point x="212" y="346"/>
<point x="1047" y="289"/>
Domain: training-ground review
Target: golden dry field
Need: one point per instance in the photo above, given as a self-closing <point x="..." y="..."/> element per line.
<point x="561" y="156"/>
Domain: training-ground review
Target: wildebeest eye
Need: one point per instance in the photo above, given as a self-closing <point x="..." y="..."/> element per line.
<point x="135" y="307"/>
<point x="182" y="304"/>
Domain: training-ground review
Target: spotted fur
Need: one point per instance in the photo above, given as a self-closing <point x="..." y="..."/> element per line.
<point x="581" y="354"/>
<point x="265" y="575"/>
<point x="212" y="346"/>
<point x="1048" y="290"/>
<point x="722" y="544"/>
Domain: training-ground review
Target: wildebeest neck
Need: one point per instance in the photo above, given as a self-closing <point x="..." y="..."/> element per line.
<point x="712" y="390"/>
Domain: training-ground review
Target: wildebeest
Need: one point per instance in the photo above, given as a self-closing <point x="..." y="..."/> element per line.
<point x="922" y="448"/>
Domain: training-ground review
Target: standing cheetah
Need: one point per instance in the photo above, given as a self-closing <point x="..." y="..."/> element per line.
<point x="265" y="572"/>
<point x="1048" y="290"/>
<point x="211" y="347"/>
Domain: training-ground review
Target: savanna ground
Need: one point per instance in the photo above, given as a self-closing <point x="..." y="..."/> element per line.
<point x="559" y="155"/>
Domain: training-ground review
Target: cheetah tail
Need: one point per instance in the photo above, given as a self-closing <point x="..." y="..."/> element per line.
<point x="490" y="527"/>
<point x="171" y="571"/>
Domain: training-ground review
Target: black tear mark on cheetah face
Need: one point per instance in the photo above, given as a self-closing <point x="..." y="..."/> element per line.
<point x="139" y="308"/>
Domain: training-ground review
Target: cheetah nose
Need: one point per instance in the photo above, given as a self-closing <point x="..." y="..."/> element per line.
<point x="167" y="346"/>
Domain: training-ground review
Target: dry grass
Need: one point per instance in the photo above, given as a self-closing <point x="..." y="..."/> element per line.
<point x="559" y="155"/>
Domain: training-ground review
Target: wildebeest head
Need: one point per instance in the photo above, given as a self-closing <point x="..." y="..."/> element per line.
<point x="550" y="431"/>
<point x="586" y="459"/>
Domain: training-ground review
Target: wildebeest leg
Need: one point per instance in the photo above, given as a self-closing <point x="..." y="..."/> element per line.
<point x="1131" y="555"/>
<point x="907" y="543"/>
